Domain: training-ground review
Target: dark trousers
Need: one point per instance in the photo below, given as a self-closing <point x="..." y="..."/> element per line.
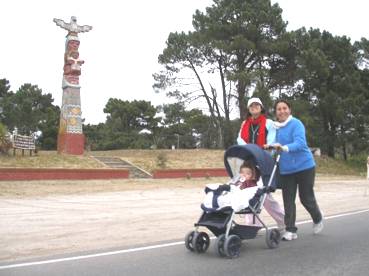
<point x="304" y="180"/>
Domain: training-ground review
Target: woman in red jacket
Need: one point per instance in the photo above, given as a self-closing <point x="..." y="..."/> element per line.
<point x="257" y="129"/>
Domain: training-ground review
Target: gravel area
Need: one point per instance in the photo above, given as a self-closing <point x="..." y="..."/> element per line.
<point x="46" y="218"/>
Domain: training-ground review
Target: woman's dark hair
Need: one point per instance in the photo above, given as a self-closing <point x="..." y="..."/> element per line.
<point x="281" y="101"/>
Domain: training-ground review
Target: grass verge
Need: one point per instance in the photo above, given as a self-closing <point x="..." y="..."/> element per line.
<point x="151" y="160"/>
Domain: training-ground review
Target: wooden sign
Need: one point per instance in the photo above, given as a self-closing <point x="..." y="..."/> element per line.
<point x="24" y="142"/>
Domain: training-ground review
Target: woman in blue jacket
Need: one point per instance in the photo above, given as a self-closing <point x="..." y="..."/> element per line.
<point x="297" y="169"/>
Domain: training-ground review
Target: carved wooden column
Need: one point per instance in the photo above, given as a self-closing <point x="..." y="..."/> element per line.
<point x="71" y="139"/>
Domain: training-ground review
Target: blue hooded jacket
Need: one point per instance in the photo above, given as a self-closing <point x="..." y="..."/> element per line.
<point x="299" y="157"/>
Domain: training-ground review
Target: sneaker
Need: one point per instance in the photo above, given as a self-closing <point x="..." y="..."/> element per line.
<point x="289" y="236"/>
<point x="318" y="227"/>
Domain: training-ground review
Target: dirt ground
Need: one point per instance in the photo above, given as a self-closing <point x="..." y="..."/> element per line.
<point x="43" y="218"/>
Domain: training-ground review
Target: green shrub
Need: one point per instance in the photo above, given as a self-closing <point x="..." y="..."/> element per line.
<point x="3" y="130"/>
<point x="161" y="160"/>
<point x="358" y="161"/>
<point x="5" y="143"/>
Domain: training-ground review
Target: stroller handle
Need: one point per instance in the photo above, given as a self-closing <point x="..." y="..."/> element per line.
<point x="278" y="156"/>
<point x="277" y="148"/>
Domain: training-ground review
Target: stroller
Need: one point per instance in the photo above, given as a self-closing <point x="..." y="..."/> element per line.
<point x="221" y="222"/>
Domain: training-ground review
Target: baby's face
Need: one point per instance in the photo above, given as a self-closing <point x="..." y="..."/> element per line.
<point x="246" y="173"/>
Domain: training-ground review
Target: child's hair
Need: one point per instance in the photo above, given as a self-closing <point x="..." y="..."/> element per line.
<point x="252" y="167"/>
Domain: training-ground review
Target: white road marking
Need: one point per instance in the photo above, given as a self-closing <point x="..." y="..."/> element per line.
<point x="124" y="251"/>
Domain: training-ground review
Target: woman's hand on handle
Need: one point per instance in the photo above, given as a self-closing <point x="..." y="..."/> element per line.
<point x="273" y="147"/>
<point x="276" y="146"/>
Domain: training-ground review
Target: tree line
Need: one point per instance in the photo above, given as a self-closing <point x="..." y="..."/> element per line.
<point x="236" y="50"/>
<point x="240" y="49"/>
<point x="30" y="111"/>
<point x="129" y="124"/>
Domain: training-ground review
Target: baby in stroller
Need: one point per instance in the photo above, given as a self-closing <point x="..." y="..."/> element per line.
<point x="247" y="165"/>
<point x="233" y="193"/>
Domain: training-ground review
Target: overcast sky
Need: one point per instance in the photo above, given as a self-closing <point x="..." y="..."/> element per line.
<point x="121" y="50"/>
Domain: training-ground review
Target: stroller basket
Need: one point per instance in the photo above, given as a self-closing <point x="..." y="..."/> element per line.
<point x="217" y="222"/>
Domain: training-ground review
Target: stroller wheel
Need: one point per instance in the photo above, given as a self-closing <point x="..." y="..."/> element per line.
<point x="273" y="237"/>
<point x="200" y="242"/>
<point x="232" y="246"/>
<point x="188" y="240"/>
<point x="220" y="245"/>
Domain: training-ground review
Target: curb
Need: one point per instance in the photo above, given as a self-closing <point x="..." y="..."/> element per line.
<point x="11" y="174"/>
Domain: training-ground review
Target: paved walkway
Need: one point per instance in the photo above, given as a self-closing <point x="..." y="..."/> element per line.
<point x="117" y="163"/>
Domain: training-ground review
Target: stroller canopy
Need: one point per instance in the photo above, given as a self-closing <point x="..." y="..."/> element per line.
<point x="237" y="154"/>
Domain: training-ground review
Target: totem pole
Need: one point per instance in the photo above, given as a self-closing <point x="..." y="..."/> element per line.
<point x="70" y="137"/>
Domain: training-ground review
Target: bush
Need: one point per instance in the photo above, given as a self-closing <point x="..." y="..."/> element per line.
<point x="3" y="130"/>
<point x="5" y="143"/>
<point x="358" y="161"/>
<point x="161" y="160"/>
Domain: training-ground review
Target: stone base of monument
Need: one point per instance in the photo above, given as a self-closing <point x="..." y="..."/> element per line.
<point x="71" y="143"/>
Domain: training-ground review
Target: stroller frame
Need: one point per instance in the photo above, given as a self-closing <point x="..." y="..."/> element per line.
<point x="230" y="234"/>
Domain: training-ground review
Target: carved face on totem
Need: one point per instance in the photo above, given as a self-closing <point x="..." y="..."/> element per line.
<point x="72" y="46"/>
<point x="72" y="61"/>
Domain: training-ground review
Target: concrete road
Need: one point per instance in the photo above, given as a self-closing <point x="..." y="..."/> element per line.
<point x="342" y="249"/>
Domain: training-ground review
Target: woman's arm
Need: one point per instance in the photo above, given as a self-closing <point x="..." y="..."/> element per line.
<point x="240" y="141"/>
<point x="299" y="138"/>
<point x="271" y="136"/>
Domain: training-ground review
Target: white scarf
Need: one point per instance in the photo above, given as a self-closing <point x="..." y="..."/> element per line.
<point x="278" y="125"/>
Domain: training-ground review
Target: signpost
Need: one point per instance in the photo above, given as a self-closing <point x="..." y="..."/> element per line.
<point x="24" y="143"/>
